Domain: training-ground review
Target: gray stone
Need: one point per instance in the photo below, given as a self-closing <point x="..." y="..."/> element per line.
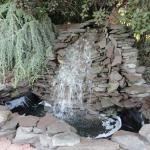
<point x="140" y="69"/>
<point x="25" y="135"/>
<point x="122" y="83"/>
<point x="4" y="114"/>
<point x="141" y="95"/>
<point x="110" y="50"/>
<point x="103" y="43"/>
<point x="28" y="121"/>
<point x="45" y="121"/>
<point x="112" y="86"/>
<point x="100" y="88"/>
<point x="145" y="132"/>
<point x="129" y="141"/>
<point x="10" y="134"/>
<point x="117" y="61"/>
<point x="105" y="102"/>
<point x="115" y="76"/>
<point x="10" y="125"/>
<point x="135" y="78"/>
<point x="59" y="127"/>
<point x="113" y="41"/>
<point x="65" y="139"/>
<point x="45" y="141"/>
<point x="90" y="144"/>
<point x="2" y="87"/>
<point x="117" y="57"/>
<point x="75" y="31"/>
<point x="136" y="89"/>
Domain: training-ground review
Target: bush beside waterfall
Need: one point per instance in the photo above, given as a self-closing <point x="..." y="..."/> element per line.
<point x="24" y="42"/>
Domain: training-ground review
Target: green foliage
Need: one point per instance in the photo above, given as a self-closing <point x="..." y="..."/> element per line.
<point x="24" y="42"/>
<point x="97" y="10"/>
<point x="99" y="17"/>
<point x="67" y="10"/>
<point x="137" y="15"/>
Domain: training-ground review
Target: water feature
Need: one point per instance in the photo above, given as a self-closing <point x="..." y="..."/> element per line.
<point x="72" y="81"/>
<point x="72" y="78"/>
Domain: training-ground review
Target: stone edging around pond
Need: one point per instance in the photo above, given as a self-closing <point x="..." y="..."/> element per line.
<point x="49" y="133"/>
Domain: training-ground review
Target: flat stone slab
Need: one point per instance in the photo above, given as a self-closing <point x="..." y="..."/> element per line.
<point x="145" y="132"/>
<point x="45" y="121"/>
<point x="135" y="89"/>
<point x="59" y="127"/>
<point x="65" y="139"/>
<point x="28" y="121"/>
<point x="25" y="135"/>
<point x="6" y="145"/>
<point x="130" y="141"/>
<point x="89" y="144"/>
<point x="4" y="114"/>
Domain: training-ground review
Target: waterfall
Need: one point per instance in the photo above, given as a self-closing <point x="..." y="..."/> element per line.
<point x="73" y="78"/>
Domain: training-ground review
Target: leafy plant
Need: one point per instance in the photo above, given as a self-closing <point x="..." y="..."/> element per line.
<point x="137" y="15"/>
<point x="24" y="42"/>
<point x="99" y="17"/>
<point x="97" y="10"/>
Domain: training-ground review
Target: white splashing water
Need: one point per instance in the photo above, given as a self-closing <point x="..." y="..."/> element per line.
<point x="72" y="78"/>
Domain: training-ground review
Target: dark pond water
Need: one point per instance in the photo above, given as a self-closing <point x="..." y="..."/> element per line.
<point x="26" y="104"/>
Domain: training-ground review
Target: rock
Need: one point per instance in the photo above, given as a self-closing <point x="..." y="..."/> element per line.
<point x="10" y="125"/>
<point x="65" y="139"/>
<point x="25" y="135"/>
<point x="140" y="95"/>
<point x="60" y="46"/>
<point x="146" y="108"/>
<point x="110" y="50"/>
<point x="90" y="144"/>
<point x="28" y="121"/>
<point x="122" y="83"/>
<point x="113" y="41"/>
<point x="145" y="132"/>
<point x="6" y="145"/>
<point x="126" y="68"/>
<point x="117" y="57"/>
<point x="4" y="114"/>
<point x="116" y="100"/>
<point x="116" y="27"/>
<point x="96" y="69"/>
<point x="140" y="69"/>
<point x="112" y="86"/>
<point x="117" y="61"/>
<point x="10" y="134"/>
<point x="74" y="31"/>
<point x="129" y="141"/>
<point x="135" y="78"/>
<point x="105" y="102"/>
<point x="37" y="130"/>
<point x="2" y="87"/>
<point x="59" y="127"/>
<point x="102" y="43"/>
<point x="115" y="76"/>
<point x="100" y="88"/>
<point x="106" y="62"/>
<point x="46" y="141"/>
<point x="135" y="89"/>
<point x="131" y="103"/>
<point x="48" y="119"/>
